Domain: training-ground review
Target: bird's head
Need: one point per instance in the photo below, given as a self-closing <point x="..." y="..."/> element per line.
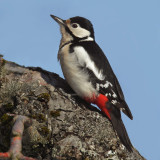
<point x="75" y="28"/>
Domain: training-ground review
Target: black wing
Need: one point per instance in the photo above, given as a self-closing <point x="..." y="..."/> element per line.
<point x="110" y="85"/>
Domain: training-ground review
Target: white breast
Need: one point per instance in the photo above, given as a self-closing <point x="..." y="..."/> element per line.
<point x="77" y="77"/>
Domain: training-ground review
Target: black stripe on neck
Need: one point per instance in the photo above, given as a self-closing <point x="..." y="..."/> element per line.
<point x="73" y="41"/>
<point x="65" y="44"/>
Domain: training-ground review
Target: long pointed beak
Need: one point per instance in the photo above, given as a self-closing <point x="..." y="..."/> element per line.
<point x="58" y="20"/>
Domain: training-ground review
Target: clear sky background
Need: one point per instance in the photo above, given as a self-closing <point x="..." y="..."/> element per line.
<point x="128" y="31"/>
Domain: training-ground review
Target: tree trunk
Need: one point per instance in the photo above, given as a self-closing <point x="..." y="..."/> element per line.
<point x="63" y="127"/>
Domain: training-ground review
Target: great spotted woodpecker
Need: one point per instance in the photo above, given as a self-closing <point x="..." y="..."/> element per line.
<point x="88" y="72"/>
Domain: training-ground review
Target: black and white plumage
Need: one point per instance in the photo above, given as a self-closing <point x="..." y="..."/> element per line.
<point x="88" y="72"/>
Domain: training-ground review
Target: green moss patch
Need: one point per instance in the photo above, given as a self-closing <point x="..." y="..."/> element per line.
<point x="44" y="97"/>
<point x="55" y="113"/>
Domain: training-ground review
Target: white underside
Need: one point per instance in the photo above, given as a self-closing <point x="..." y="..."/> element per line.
<point x="77" y="77"/>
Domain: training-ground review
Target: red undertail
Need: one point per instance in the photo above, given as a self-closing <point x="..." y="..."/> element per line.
<point x="113" y="113"/>
<point x="101" y="101"/>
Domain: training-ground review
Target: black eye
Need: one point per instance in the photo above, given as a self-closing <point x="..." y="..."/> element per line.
<point x="74" y="25"/>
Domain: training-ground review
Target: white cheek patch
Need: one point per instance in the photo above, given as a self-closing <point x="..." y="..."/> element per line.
<point x="79" y="32"/>
<point x="84" y="60"/>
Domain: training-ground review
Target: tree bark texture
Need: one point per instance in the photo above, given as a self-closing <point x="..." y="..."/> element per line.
<point x="63" y="126"/>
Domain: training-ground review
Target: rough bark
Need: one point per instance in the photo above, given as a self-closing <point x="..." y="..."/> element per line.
<point x="63" y="127"/>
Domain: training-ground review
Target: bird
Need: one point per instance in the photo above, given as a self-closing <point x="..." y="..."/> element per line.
<point x="89" y="73"/>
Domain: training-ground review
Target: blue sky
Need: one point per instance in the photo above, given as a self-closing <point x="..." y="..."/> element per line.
<point x="128" y="31"/>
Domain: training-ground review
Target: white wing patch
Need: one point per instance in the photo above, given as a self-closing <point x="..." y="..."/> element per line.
<point x="79" y="31"/>
<point x="84" y="60"/>
<point x="113" y="101"/>
<point x="106" y="85"/>
<point x="114" y="94"/>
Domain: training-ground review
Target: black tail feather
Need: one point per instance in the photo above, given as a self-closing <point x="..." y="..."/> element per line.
<point x="125" y="109"/>
<point x="119" y="126"/>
